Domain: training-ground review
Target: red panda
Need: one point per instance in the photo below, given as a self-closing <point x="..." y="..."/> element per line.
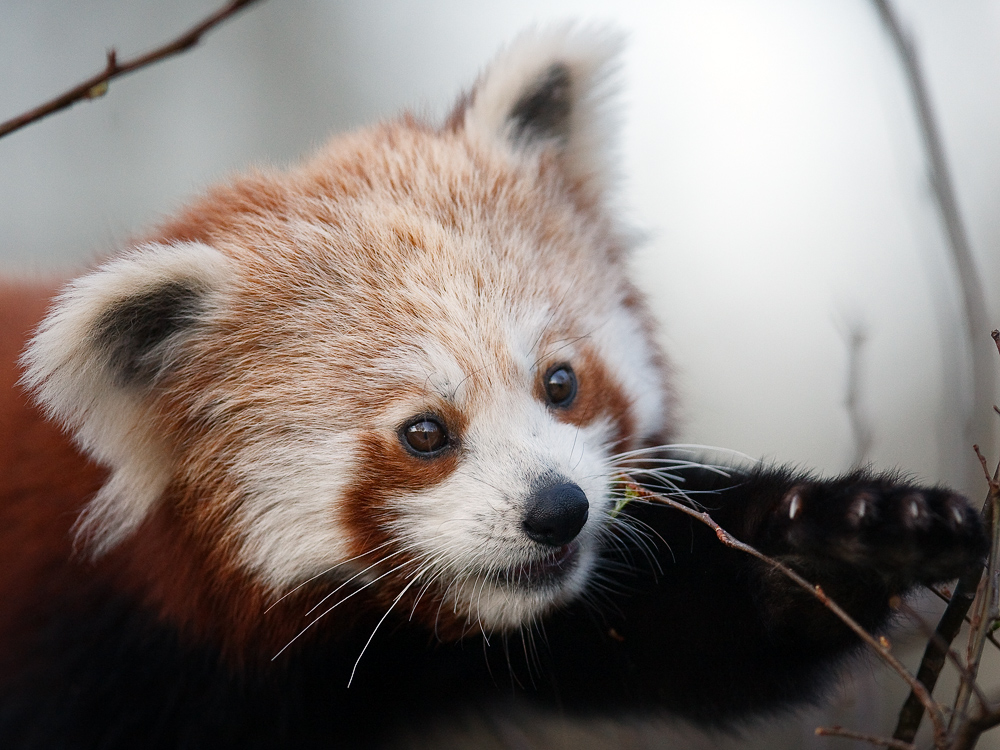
<point x="335" y="453"/>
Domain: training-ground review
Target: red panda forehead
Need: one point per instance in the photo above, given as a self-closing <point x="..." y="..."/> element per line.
<point x="394" y="238"/>
<point x="394" y="189"/>
<point x="470" y="363"/>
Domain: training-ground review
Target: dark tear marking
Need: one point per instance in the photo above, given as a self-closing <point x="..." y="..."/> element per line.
<point x="132" y="331"/>
<point x="543" y="112"/>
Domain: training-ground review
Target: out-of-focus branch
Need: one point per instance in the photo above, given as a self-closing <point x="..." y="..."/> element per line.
<point x="964" y="729"/>
<point x="97" y="85"/>
<point x="978" y="425"/>
<point x="936" y="653"/>
<point x="860" y="424"/>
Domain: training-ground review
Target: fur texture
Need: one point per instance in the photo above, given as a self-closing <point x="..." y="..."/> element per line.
<point x="362" y="424"/>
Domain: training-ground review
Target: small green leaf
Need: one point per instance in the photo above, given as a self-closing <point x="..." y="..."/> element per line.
<point x="629" y="496"/>
<point x="97" y="90"/>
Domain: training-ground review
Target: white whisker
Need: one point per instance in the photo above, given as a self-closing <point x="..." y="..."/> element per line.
<point x="368" y="642"/>
<point x="329" y="610"/>
<point x="323" y="573"/>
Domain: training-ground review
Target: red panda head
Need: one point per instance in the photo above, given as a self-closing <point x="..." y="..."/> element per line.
<point x="411" y="363"/>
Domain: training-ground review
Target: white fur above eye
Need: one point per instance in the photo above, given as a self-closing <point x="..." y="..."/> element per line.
<point x="68" y="367"/>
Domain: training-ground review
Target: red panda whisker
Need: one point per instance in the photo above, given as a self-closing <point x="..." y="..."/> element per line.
<point x="670" y="463"/>
<point x="564" y="344"/>
<point x="698" y="449"/>
<point x="479" y="603"/>
<point x="323" y="573"/>
<point x="463" y="381"/>
<point x="583" y="450"/>
<point x="640" y="533"/>
<point x="553" y="310"/>
<point x="423" y="590"/>
<point x="530" y="654"/>
<point x="662" y="460"/>
<point x="375" y="630"/>
<point x="656" y="452"/>
<point x="378" y="562"/>
<point x="333" y="607"/>
<point x="659" y="472"/>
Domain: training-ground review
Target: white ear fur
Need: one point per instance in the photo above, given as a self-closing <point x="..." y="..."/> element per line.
<point x="97" y="354"/>
<point x="564" y="78"/>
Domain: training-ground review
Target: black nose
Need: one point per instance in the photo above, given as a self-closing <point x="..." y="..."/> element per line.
<point x="556" y="513"/>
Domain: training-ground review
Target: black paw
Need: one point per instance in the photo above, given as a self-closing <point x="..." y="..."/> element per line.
<point x="907" y="533"/>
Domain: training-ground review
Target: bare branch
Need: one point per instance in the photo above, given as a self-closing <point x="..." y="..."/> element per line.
<point x="944" y="648"/>
<point x="935" y="653"/>
<point x="871" y="739"/>
<point x="965" y="728"/>
<point x="990" y="480"/>
<point x="97" y="85"/>
<point x="945" y="596"/>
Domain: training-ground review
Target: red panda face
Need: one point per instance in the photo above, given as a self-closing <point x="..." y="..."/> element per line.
<point x="411" y="364"/>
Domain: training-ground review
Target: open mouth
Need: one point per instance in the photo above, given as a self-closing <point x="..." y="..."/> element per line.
<point x="545" y="569"/>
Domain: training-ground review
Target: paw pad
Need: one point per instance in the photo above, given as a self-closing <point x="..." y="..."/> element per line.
<point x="955" y="512"/>
<point x="793" y="502"/>
<point x="861" y="508"/>
<point x="916" y="514"/>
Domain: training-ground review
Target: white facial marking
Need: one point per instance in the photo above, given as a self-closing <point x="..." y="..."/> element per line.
<point x="291" y="487"/>
<point x="470" y="526"/>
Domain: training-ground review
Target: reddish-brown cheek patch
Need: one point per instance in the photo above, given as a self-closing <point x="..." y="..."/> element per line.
<point x="599" y="395"/>
<point x="385" y="472"/>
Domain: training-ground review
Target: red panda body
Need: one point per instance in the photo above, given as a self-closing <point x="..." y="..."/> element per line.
<point x="346" y="446"/>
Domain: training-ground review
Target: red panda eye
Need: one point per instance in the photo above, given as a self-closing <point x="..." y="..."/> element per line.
<point x="560" y="385"/>
<point x="424" y="435"/>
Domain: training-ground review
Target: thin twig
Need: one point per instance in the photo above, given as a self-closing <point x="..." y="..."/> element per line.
<point x="991" y="481"/>
<point x="871" y="739"/>
<point x="97" y="85"/>
<point x="978" y="426"/>
<point x="933" y="660"/>
<point x="943" y="647"/>
<point x="964" y="728"/>
<point x="881" y="646"/>
<point x="946" y="598"/>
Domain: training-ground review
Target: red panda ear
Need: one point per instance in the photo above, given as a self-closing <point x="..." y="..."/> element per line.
<point x="551" y="90"/>
<point x="108" y="339"/>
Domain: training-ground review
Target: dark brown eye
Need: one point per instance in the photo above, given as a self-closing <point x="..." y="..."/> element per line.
<point x="560" y="385"/>
<point x="424" y="435"/>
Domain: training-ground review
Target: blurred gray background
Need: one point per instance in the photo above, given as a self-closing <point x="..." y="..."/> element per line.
<point x="770" y="156"/>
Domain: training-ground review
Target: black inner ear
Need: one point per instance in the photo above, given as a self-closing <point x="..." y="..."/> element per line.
<point x="543" y="112"/>
<point x="133" y="330"/>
